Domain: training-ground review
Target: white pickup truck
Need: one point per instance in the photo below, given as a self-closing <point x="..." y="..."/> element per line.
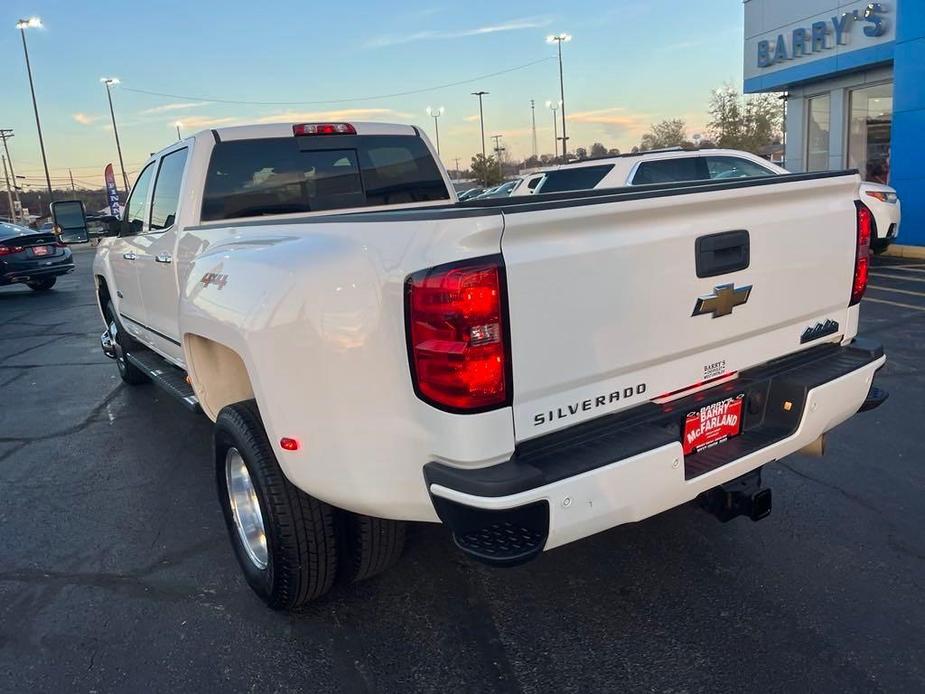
<point x="528" y="371"/>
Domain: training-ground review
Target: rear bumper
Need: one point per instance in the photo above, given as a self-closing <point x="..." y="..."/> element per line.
<point x="629" y="466"/>
<point x="27" y="274"/>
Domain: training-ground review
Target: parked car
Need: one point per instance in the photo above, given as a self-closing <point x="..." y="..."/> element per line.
<point x="471" y="193"/>
<point x="528" y="372"/>
<point x="674" y="165"/>
<point x="501" y="191"/>
<point x="33" y="258"/>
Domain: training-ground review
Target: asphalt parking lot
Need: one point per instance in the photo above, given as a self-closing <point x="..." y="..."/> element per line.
<point x="116" y="573"/>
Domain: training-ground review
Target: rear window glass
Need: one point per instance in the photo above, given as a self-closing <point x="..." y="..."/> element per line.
<point x="251" y="178"/>
<point x="671" y="170"/>
<point x="579" y="178"/>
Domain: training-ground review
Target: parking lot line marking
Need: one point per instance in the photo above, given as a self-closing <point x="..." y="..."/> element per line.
<point x="897" y="277"/>
<point x="907" y="268"/>
<point x="895" y="303"/>
<point x="898" y="291"/>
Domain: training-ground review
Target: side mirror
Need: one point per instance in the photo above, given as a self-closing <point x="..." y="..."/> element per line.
<point x="70" y="221"/>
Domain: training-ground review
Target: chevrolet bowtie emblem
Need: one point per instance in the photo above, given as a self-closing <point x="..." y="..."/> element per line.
<point x="721" y="302"/>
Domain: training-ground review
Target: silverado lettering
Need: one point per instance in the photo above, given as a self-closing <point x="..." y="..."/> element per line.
<point x="587" y="405"/>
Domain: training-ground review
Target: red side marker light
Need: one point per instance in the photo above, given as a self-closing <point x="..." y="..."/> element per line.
<point x="288" y="444"/>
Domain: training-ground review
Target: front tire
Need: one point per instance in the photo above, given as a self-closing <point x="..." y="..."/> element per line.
<point x="284" y="539"/>
<point x="130" y="373"/>
<point x="42" y="285"/>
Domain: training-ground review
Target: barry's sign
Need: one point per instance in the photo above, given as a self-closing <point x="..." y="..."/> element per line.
<point x="819" y="37"/>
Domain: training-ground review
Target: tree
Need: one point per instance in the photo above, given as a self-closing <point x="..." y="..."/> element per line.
<point x="667" y="133"/>
<point x="581" y="153"/>
<point x="613" y="152"/>
<point x="485" y="170"/>
<point x="598" y="150"/>
<point x="531" y="162"/>
<point x="746" y="123"/>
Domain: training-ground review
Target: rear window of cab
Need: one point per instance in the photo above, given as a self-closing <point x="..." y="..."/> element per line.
<point x="252" y="178"/>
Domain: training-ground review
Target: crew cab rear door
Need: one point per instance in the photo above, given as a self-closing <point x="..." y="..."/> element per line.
<point x="156" y="267"/>
<point x="615" y="303"/>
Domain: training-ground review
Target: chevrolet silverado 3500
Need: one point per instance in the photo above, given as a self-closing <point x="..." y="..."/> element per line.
<point x="527" y="371"/>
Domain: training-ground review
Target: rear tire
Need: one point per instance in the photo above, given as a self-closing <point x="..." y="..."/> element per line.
<point x="42" y="285"/>
<point x="299" y="548"/>
<point x="370" y="545"/>
<point x="130" y="373"/>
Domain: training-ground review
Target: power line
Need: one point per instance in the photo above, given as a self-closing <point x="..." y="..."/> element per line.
<point x="342" y="100"/>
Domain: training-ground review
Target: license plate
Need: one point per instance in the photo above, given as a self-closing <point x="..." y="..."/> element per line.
<point x="41" y="250"/>
<point x="713" y="424"/>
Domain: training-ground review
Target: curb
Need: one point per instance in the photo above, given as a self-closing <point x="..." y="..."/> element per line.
<point x="895" y="251"/>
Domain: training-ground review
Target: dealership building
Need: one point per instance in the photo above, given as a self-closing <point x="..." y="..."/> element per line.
<point x="853" y="79"/>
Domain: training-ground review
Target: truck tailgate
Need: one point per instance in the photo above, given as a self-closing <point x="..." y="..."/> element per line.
<point x="602" y="295"/>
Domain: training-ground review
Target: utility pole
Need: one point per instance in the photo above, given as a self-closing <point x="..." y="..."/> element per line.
<point x="5" y="134"/>
<point x="533" y="119"/>
<point x="457" y="168"/>
<point x="9" y="193"/>
<point x="73" y="189"/>
<point x="109" y="81"/>
<point x="498" y="150"/>
<point x="481" y="118"/>
<point x="22" y="25"/>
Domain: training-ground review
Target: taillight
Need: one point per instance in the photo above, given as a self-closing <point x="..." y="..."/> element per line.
<point x="324" y="129"/>
<point x="862" y="257"/>
<point x="10" y="250"/>
<point x="457" y="335"/>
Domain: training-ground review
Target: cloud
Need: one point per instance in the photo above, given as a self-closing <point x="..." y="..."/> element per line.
<point x="474" y="118"/>
<point x="615" y="120"/>
<point x="436" y="35"/>
<point x="199" y="122"/>
<point x="84" y="119"/>
<point x="346" y="114"/>
<point x="173" y="107"/>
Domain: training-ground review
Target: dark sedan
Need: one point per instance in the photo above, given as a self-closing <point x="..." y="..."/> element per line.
<point x="33" y="258"/>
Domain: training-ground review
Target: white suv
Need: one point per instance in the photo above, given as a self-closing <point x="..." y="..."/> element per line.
<point x="676" y="165"/>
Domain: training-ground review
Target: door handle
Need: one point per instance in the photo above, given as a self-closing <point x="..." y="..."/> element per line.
<point x="129" y="256"/>
<point x="163" y="258"/>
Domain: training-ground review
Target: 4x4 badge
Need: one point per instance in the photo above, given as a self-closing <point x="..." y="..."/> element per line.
<point x="720" y="303"/>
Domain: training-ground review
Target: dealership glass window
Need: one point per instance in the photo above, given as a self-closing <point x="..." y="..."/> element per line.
<point x="869" y="125"/>
<point x="817" y="132"/>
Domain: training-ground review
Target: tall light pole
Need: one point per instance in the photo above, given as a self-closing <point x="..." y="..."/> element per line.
<point x="435" y="113"/>
<point x="109" y="82"/>
<point x="533" y="120"/>
<point x="481" y="118"/>
<point x="560" y="39"/>
<point x="5" y="134"/>
<point x="22" y="25"/>
<point x="554" y="106"/>
<point x="178" y="124"/>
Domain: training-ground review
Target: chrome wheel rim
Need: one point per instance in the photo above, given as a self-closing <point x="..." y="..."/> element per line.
<point x="114" y="336"/>
<point x="248" y="520"/>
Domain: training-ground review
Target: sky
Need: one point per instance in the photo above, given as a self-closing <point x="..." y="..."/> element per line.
<point x="630" y="63"/>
